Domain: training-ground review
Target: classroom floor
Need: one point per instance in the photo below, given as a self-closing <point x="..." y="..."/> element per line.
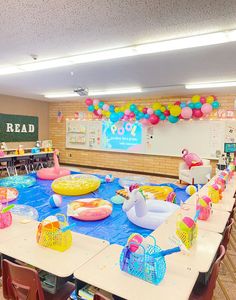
<point x="227" y="281"/>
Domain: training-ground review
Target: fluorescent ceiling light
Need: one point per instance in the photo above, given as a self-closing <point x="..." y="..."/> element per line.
<point x="157" y="47"/>
<point x="210" y="85"/>
<point x="133" y="90"/>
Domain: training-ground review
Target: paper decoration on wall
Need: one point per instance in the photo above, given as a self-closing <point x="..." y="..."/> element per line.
<point x="196" y="108"/>
<point x="76" y="115"/>
<point x="59" y="116"/>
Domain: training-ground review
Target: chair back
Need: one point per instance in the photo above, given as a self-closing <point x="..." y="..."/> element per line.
<point x="21" y="283"/>
<point x="227" y="233"/>
<point x="214" y="274"/>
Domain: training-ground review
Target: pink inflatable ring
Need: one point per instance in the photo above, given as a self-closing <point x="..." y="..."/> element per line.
<point x="89" y="209"/>
<point x="54" y="172"/>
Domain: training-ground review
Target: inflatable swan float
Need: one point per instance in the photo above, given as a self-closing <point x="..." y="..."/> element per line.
<point x="54" y="172"/>
<point x="147" y="214"/>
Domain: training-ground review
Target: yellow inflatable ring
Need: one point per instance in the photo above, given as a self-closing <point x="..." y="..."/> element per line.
<point x="76" y="185"/>
<point x="159" y="192"/>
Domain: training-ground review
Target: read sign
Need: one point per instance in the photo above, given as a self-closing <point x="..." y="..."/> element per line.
<point x="16" y="128"/>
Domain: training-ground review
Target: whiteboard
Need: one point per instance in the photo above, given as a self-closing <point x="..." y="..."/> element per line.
<point x="204" y="137"/>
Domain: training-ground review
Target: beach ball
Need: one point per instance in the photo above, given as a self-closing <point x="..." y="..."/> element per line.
<point x="109" y="178"/>
<point x="55" y="200"/>
<point x="190" y="190"/>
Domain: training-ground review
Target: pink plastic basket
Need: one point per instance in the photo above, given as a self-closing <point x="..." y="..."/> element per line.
<point x="5" y="219"/>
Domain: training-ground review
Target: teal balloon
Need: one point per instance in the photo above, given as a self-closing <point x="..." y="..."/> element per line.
<point x="173" y="119"/>
<point x="215" y="104"/>
<point x="162" y="117"/>
<point x="191" y="105"/>
<point x="111" y="108"/>
<point x="138" y="118"/>
<point x="133" y="107"/>
<point x="158" y="112"/>
<point x="136" y="111"/>
<point x="91" y="108"/>
<point x="121" y="114"/>
<point x="146" y="116"/>
<point x="141" y="115"/>
<point x="114" y="117"/>
<point x="198" y="105"/>
<point x="100" y="105"/>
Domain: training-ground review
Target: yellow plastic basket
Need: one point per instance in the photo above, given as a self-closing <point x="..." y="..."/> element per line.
<point x="52" y="237"/>
<point x="187" y="237"/>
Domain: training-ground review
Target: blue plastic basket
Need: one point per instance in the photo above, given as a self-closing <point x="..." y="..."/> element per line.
<point x="144" y="265"/>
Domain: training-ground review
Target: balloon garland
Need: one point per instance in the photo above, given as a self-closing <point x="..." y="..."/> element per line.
<point x="196" y="108"/>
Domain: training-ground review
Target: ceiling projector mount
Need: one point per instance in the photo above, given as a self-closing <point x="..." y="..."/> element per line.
<point x="81" y="91"/>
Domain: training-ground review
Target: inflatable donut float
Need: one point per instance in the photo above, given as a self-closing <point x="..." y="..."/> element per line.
<point x="8" y="194"/>
<point x="76" y="185"/>
<point x="89" y="209"/>
<point x="18" y="181"/>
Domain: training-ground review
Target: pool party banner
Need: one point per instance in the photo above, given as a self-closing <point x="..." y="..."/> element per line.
<point x="18" y="128"/>
<point x="125" y="136"/>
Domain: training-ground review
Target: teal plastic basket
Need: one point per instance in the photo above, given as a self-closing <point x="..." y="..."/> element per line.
<point x="148" y="265"/>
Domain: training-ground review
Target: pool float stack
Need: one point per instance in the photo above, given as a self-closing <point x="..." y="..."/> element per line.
<point x="54" y="172"/>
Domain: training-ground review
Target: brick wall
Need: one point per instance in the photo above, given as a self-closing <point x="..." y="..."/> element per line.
<point x="132" y="162"/>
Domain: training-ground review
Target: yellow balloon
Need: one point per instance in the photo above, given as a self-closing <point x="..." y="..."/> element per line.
<point x="196" y="98"/>
<point x="163" y="108"/>
<point x="156" y="106"/>
<point x="169" y="106"/>
<point x="96" y="107"/>
<point x="209" y="99"/>
<point x="117" y="109"/>
<point x="127" y="106"/>
<point x="122" y="108"/>
<point x="108" y="114"/>
<point x="175" y="110"/>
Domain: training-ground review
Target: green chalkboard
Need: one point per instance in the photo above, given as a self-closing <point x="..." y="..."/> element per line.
<point x="16" y="128"/>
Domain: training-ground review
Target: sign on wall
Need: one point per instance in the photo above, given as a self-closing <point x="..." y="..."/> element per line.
<point x="17" y="128"/>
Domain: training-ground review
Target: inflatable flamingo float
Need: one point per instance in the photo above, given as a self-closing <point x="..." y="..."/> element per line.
<point x="54" y="172"/>
<point x="191" y="159"/>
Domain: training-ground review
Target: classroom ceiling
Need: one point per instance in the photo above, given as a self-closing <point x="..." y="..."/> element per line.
<point x="52" y="28"/>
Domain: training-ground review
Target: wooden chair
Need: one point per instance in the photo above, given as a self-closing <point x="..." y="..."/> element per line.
<point x="206" y="292"/>
<point x="22" y="283"/>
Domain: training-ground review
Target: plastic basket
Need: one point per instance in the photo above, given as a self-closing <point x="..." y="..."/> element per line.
<point x="187" y="237"/>
<point x="5" y="219"/>
<point x="144" y="265"/>
<point x="52" y="237"/>
<point x="205" y="212"/>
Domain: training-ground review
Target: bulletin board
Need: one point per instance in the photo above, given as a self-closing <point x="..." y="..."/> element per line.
<point x="204" y="137"/>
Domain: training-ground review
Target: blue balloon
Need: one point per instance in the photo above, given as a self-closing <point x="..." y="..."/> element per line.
<point x="146" y="116"/>
<point x="173" y="119"/>
<point x="111" y="108"/>
<point x="191" y="105"/>
<point x="136" y="111"/>
<point x="100" y="105"/>
<point x="197" y="105"/>
<point x="158" y="112"/>
<point x="91" y="108"/>
<point x="215" y="104"/>
<point x="138" y="118"/>
<point x="183" y="104"/>
<point x="162" y="117"/>
<point x="141" y="115"/>
<point x="133" y="107"/>
<point x="114" y="117"/>
<point x="121" y="114"/>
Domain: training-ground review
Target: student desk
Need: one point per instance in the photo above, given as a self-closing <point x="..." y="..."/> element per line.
<point x="62" y="264"/>
<point x="17" y="229"/>
<point x="216" y="222"/>
<point x="103" y="271"/>
<point x="199" y="257"/>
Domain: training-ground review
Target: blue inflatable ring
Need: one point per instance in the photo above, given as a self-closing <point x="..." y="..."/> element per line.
<point x="18" y="182"/>
<point x="25" y="211"/>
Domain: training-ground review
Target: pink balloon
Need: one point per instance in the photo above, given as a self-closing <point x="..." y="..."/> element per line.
<point x="203" y="100"/>
<point x="154" y="119"/>
<point x="186" y="112"/>
<point x="166" y="113"/>
<point x="99" y="111"/>
<point x="206" y="108"/>
<point x="197" y="113"/>
<point x="127" y="112"/>
<point x="95" y="101"/>
<point x="177" y="103"/>
<point x="126" y="118"/>
<point x="145" y="110"/>
<point x="96" y="112"/>
<point x="88" y="101"/>
<point x="145" y="121"/>
<point x="132" y="115"/>
<point x="150" y="111"/>
<point x="105" y="107"/>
